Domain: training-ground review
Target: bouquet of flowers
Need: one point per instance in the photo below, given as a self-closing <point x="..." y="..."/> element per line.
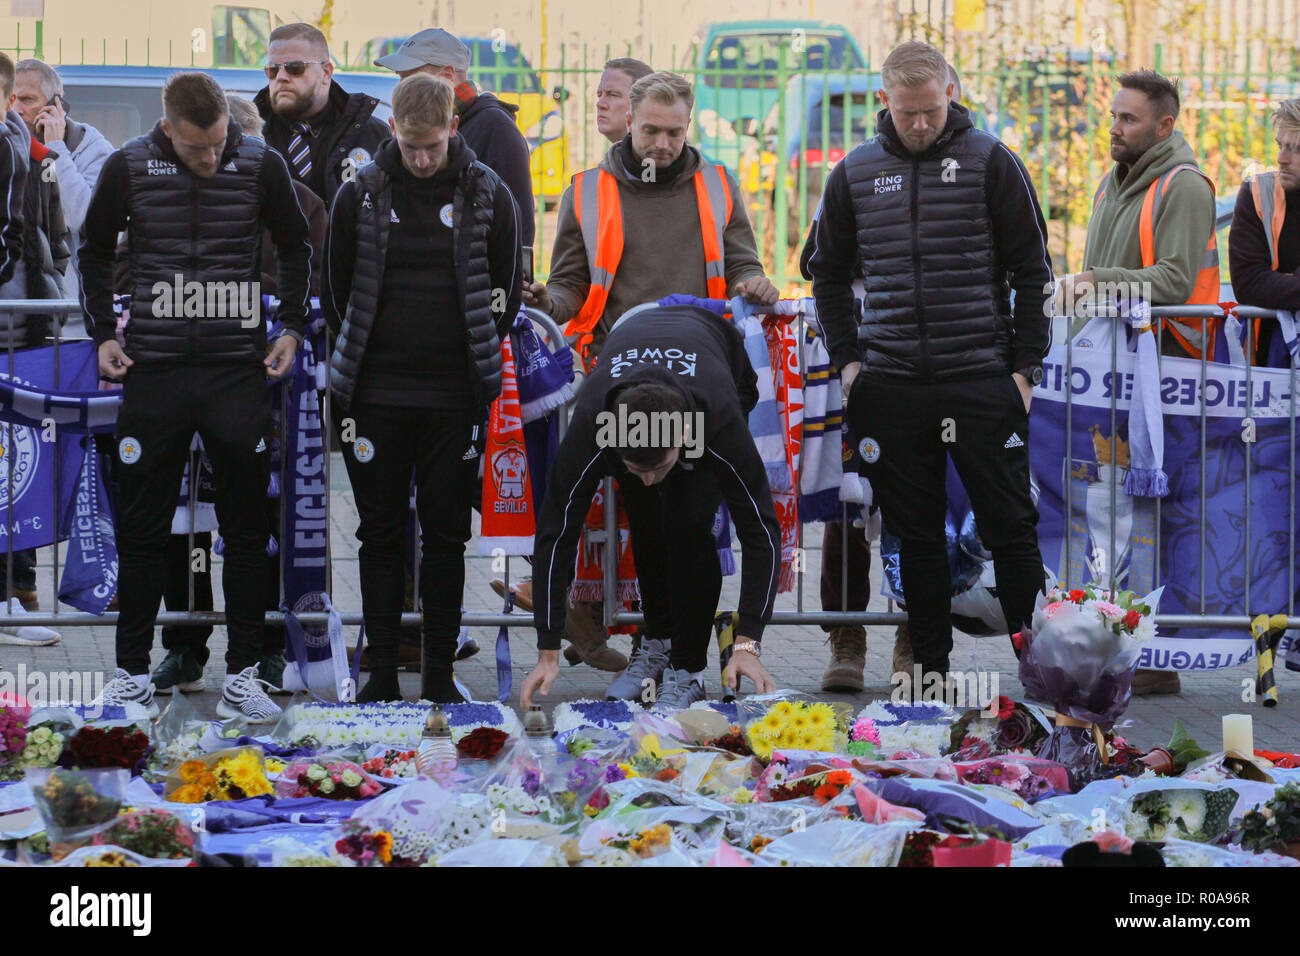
<point x="1014" y="727"/>
<point x="864" y="738"/>
<point x="44" y="746"/>
<point x="392" y="764"/>
<point x="1275" y="825"/>
<point x="652" y="841"/>
<point x="93" y="748"/>
<point x="482" y="743"/>
<point x="393" y="724"/>
<point x="327" y="778"/>
<point x="607" y="714"/>
<point x="1028" y="779"/>
<point x="1186" y="813"/>
<point x="910" y="729"/>
<point x="221" y="775"/>
<point x="75" y="805"/>
<point x="733" y="741"/>
<point x="1082" y="649"/>
<point x="13" y="739"/>
<point x="796" y="725"/>
<point x="151" y="833"/>
<point x="364" y="846"/>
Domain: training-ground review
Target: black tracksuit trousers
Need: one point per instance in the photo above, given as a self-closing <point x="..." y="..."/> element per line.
<point x="905" y="432"/>
<point x="162" y="407"/>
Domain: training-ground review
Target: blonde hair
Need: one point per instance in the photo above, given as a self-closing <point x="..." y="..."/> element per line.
<point x="422" y="102"/>
<point x="914" y="64"/>
<point x="664" y="87"/>
<point x="1287" y="115"/>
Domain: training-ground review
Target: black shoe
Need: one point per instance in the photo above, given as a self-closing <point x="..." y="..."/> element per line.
<point x="271" y="669"/>
<point x="180" y="670"/>
<point x="382" y="686"/>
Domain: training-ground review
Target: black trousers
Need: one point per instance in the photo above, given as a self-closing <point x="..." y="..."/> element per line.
<point x="162" y="408"/>
<point x="834" y="557"/>
<point x="676" y="556"/>
<point x="436" y="445"/>
<point x="910" y="430"/>
<point x="176" y="593"/>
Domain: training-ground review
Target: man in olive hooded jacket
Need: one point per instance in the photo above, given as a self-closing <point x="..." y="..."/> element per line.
<point x="1145" y="145"/>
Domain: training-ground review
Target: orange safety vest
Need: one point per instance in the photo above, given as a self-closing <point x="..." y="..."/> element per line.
<point x="599" y="211"/>
<point x="1206" y="291"/>
<point x="1270" y="203"/>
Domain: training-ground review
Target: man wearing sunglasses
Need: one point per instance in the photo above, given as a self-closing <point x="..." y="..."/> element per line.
<point x="324" y="133"/>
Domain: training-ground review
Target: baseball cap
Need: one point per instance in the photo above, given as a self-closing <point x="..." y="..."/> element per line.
<point x="433" y="47"/>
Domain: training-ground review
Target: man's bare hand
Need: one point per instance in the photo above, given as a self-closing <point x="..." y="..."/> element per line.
<point x="758" y="289"/>
<point x="52" y="122"/>
<point x="280" y="360"/>
<point x="745" y="664"/>
<point x="540" y="677"/>
<point x="847" y="375"/>
<point x="113" y="362"/>
<point x="536" y="296"/>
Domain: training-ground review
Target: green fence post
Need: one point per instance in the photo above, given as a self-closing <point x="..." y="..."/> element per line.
<point x="40" y="39"/>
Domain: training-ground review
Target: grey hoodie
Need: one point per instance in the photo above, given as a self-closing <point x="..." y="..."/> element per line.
<point x="77" y="170"/>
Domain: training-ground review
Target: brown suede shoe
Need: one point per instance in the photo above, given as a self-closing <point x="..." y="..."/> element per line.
<point x="1147" y="683"/>
<point x="848" y="659"/>
<point x="588" y="638"/>
<point x="30" y="600"/>
<point x="903" y="659"/>
<point x="523" y="592"/>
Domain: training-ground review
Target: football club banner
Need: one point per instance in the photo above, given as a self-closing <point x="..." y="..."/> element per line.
<point x="1090" y="530"/>
<point x="507" y="506"/>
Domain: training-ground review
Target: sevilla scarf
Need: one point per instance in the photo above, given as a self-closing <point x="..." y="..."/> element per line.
<point x="783" y="354"/>
<point x="507" y="506"/>
<point x="589" y="580"/>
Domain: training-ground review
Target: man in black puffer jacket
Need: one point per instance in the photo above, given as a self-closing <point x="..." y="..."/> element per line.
<point x="422" y="281"/>
<point x="945" y="223"/>
<point x="194" y="195"/>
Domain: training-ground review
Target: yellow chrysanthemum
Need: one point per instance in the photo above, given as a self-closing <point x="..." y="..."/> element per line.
<point x="782" y="709"/>
<point x="771" y="723"/>
<point x="798" y="722"/>
<point x="191" y="770"/>
<point x="187" y="793"/>
<point x="819" y="715"/>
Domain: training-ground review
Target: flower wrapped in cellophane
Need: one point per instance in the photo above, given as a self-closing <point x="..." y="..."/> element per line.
<point x="1082" y="649"/>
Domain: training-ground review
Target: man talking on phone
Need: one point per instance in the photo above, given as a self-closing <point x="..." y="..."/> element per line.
<point x="194" y="194"/>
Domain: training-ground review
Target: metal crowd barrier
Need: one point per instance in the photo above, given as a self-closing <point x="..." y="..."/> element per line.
<point x="800" y="615"/>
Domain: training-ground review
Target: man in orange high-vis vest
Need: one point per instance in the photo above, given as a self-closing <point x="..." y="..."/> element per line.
<point x="1264" y="241"/>
<point x="653" y="219"/>
<point x="1151" y="235"/>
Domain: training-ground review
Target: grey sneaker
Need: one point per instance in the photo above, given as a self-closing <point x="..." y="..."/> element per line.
<point x="243" y="696"/>
<point x="125" y="688"/>
<point x="679" y="691"/>
<point x="640" y="680"/>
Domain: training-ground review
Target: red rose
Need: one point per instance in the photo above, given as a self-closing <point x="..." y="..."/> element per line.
<point x="1077" y="596"/>
<point x="1132" y="619"/>
<point x="1018" y="640"/>
<point x="482" y="742"/>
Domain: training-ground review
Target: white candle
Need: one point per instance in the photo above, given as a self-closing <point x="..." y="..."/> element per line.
<point x="1238" y="734"/>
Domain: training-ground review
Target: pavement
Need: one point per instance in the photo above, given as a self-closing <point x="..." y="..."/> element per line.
<point x="795" y="654"/>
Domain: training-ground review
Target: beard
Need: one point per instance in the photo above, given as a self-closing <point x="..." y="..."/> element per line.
<point x="300" y="106"/>
<point x="1129" y="153"/>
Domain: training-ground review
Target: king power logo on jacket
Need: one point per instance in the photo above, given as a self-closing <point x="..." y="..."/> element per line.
<point x="675" y="360"/>
<point x="889" y="184"/>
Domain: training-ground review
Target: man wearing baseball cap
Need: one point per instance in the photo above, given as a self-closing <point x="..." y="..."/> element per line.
<point x="486" y="124"/>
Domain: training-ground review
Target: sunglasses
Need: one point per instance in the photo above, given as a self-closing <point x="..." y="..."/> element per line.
<point x="293" y="67"/>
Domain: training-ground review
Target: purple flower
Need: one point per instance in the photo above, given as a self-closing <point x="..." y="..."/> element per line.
<point x="585" y="773"/>
<point x="1016" y="731"/>
<point x="459" y="715"/>
<point x="614" y="773"/>
<point x="604" y="712"/>
<point x="532" y="782"/>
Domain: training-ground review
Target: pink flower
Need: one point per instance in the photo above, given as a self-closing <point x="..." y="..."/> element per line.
<point x="865" y="729"/>
<point x="1112" y="842"/>
<point x="1112" y="612"/>
<point x="1051" y="610"/>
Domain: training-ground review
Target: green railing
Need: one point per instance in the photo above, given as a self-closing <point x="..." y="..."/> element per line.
<point x="779" y="126"/>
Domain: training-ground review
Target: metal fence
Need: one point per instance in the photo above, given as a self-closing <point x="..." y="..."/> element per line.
<point x="800" y="614"/>
<point x="780" y="114"/>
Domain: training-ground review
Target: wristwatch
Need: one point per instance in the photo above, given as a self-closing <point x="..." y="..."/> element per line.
<point x="1032" y="372"/>
<point x="752" y="647"/>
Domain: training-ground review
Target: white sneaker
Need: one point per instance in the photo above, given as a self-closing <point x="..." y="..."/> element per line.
<point x="29" y="635"/>
<point x="126" y="689"/>
<point x="243" y="696"/>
